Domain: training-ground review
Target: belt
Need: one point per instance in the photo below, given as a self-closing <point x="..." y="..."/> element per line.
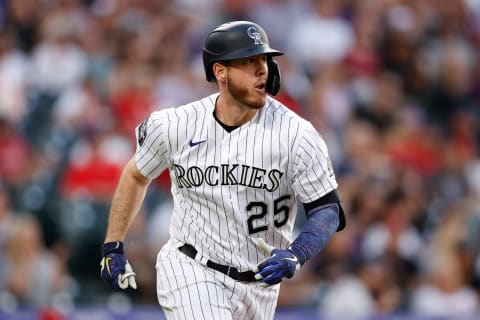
<point x="245" y="276"/>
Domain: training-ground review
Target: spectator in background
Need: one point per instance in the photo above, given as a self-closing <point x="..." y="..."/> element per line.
<point x="445" y="294"/>
<point x="175" y="67"/>
<point x="15" y="155"/>
<point x="24" y="18"/>
<point x="95" y="166"/>
<point x="58" y="61"/>
<point x="320" y="36"/>
<point x="33" y="275"/>
<point x="385" y="105"/>
<point x="447" y="268"/>
<point x="362" y="61"/>
<point x="100" y="52"/>
<point x="274" y="14"/>
<point x="79" y="110"/>
<point x="329" y="103"/>
<point x="14" y="67"/>
<point x="372" y="290"/>
<point x="452" y="94"/>
<point x="132" y="82"/>
<point x="7" y="222"/>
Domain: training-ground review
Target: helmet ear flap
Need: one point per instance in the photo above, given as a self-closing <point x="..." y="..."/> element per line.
<point x="274" y="77"/>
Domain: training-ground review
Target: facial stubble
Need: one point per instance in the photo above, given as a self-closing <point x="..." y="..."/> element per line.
<point x="242" y="95"/>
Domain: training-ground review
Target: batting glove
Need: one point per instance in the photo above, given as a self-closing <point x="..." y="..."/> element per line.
<point x="282" y="264"/>
<point x="115" y="268"/>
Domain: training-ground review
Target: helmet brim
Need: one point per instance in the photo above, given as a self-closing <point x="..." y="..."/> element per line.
<point x="239" y="54"/>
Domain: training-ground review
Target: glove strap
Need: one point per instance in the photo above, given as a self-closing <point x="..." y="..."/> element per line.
<point x="297" y="252"/>
<point x="112" y="247"/>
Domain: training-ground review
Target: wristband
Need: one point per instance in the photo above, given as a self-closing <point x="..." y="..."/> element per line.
<point x="112" y="247"/>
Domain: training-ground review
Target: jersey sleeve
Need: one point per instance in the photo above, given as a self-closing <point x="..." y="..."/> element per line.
<point x="313" y="175"/>
<point x="152" y="152"/>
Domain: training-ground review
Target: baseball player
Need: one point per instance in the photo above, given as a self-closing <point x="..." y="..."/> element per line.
<point x="239" y="162"/>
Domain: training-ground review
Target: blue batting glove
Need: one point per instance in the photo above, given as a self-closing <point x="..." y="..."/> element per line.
<point x="115" y="268"/>
<point x="282" y="264"/>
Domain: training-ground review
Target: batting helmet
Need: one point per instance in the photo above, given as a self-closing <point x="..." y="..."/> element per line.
<point x="240" y="39"/>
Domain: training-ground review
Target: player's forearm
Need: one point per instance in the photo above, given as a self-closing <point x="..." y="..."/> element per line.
<point x="126" y="202"/>
<point x="317" y="231"/>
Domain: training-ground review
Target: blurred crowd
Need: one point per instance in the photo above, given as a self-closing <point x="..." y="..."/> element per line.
<point x="392" y="85"/>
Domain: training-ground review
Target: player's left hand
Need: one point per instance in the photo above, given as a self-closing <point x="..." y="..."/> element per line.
<point x="282" y="264"/>
<point x="115" y="268"/>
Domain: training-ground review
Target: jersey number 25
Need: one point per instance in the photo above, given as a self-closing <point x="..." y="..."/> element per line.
<point x="280" y="214"/>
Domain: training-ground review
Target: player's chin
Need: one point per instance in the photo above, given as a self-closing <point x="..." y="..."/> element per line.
<point x="257" y="104"/>
<point x="258" y="99"/>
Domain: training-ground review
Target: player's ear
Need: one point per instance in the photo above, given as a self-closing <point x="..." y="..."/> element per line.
<point x="220" y="71"/>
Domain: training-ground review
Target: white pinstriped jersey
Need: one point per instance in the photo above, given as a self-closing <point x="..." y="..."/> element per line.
<point x="231" y="187"/>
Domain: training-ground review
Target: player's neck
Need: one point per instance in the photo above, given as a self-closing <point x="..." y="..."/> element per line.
<point x="232" y="114"/>
<point x="224" y="126"/>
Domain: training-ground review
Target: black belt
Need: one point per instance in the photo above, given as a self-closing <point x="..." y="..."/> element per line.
<point x="245" y="276"/>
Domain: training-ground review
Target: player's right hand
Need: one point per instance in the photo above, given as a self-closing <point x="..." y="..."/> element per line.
<point x="115" y="268"/>
<point x="280" y="265"/>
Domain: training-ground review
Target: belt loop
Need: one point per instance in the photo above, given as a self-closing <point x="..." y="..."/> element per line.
<point x="197" y="257"/>
<point x="203" y="260"/>
<point x="228" y="270"/>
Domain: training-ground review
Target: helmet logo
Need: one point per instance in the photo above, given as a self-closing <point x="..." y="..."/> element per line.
<point x="255" y="35"/>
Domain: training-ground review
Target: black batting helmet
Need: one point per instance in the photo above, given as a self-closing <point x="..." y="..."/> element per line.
<point x="240" y="39"/>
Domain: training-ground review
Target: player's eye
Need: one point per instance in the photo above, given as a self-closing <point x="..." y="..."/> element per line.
<point x="246" y="61"/>
<point x="257" y="59"/>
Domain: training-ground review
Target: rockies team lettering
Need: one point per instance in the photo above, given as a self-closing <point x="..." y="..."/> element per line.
<point x="228" y="175"/>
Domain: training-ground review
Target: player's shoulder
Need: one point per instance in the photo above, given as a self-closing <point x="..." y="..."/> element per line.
<point x="197" y="107"/>
<point x="277" y="108"/>
<point x="299" y="129"/>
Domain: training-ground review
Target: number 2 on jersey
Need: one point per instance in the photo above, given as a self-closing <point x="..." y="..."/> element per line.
<point x="280" y="214"/>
